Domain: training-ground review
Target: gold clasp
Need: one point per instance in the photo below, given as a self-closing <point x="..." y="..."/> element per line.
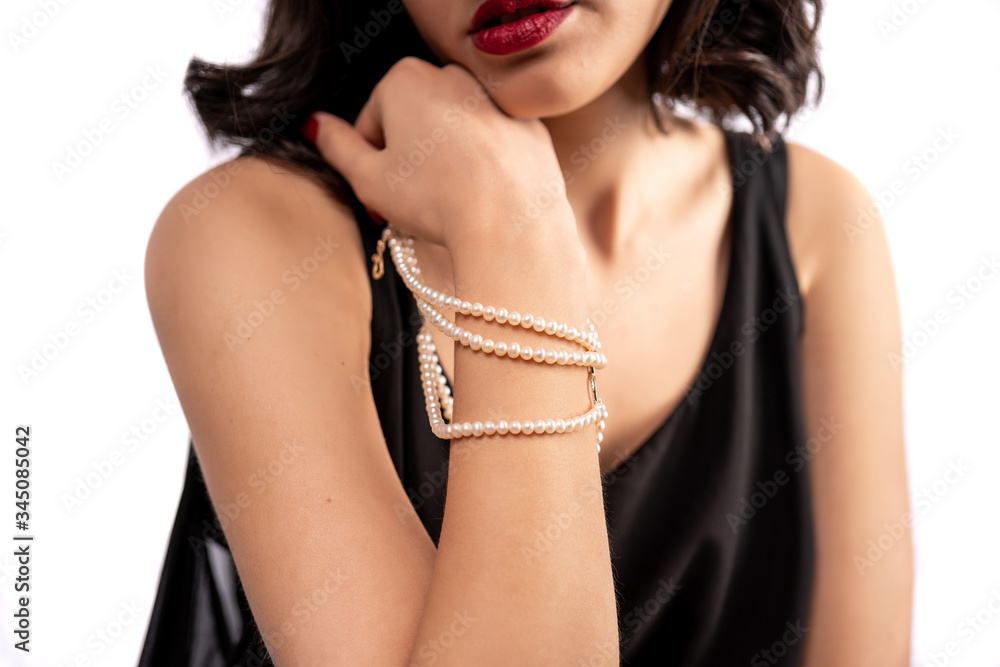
<point x="378" y="266"/>
<point x="593" y="384"/>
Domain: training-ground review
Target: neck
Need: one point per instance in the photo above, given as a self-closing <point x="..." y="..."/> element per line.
<point x="612" y="157"/>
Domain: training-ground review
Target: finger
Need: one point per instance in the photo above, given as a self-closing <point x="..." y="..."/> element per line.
<point x="369" y="120"/>
<point x="342" y="146"/>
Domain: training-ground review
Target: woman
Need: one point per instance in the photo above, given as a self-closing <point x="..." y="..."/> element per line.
<point x="539" y="158"/>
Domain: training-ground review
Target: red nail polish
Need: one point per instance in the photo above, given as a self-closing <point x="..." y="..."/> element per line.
<point x="378" y="219"/>
<point x="310" y="128"/>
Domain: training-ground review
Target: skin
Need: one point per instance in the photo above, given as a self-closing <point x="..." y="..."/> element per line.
<point x="334" y="525"/>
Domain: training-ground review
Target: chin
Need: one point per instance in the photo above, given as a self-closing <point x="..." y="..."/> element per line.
<point x="540" y="96"/>
<point x="554" y="83"/>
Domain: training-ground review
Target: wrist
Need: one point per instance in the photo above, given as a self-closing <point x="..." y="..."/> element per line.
<point x="540" y="251"/>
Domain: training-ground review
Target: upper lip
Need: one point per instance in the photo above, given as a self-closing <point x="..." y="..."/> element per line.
<point x="493" y="9"/>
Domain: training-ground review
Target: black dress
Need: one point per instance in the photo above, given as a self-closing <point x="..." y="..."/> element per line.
<point x="710" y="521"/>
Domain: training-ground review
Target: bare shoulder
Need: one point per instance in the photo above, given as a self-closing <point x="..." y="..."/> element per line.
<point x="245" y="236"/>
<point x="261" y="304"/>
<point x="831" y="219"/>
<point x="853" y="406"/>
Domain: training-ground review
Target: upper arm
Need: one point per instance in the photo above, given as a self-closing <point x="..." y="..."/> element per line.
<point x="852" y="389"/>
<point x="261" y="305"/>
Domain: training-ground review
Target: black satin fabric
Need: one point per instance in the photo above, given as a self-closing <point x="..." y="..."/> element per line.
<point x="710" y="522"/>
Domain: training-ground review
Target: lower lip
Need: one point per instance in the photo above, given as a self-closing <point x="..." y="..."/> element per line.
<point x="519" y="35"/>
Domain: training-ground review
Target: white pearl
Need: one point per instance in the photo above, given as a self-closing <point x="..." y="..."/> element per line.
<point x="476" y="342"/>
<point x="477" y="428"/>
<point x="527" y="352"/>
<point x="600" y="438"/>
<point x="539" y="324"/>
<point x="514" y="317"/>
<point x="601" y="425"/>
<point x="550" y="328"/>
<point x="515" y="427"/>
<point x="560" y="426"/>
<point x="465" y="338"/>
<point x="550" y="426"/>
<point x="503" y="427"/>
<point x="526" y="320"/>
<point x="528" y="427"/>
<point x="489" y="312"/>
<point x="514" y="350"/>
<point x="563" y="358"/>
<point x="476" y="309"/>
<point x="488" y="345"/>
<point x="489" y="428"/>
<point x="551" y="356"/>
<point x="501" y="315"/>
<point x="577" y="358"/>
<point x="539" y="354"/>
<point x="501" y="348"/>
<point x="561" y="330"/>
<point x="465" y="307"/>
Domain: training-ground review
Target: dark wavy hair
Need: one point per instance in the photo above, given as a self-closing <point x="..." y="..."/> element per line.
<point x="724" y="58"/>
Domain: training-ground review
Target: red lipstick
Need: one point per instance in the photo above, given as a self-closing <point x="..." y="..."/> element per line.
<point x="501" y="27"/>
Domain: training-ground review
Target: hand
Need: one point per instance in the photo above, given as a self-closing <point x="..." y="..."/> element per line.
<point x="433" y="154"/>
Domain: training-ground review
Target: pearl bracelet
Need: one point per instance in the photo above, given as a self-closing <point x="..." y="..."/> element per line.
<point x="437" y="395"/>
<point x="513" y="350"/>
<point x="432" y="375"/>
<point x="401" y="249"/>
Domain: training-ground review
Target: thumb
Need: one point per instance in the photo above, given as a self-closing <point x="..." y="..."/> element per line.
<point x="340" y="144"/>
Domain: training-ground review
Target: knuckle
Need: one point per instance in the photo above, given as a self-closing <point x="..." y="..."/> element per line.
<point x="408" y="65"/>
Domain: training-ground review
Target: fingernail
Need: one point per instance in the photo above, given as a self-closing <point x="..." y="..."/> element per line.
<point x="376" y="218"/>
<point x="310" y="128"/>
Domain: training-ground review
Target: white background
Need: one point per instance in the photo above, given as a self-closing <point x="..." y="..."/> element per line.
<point x="889" y="95"/>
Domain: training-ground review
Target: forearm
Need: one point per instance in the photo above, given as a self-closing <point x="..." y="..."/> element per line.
<point x="524" y="544"/>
